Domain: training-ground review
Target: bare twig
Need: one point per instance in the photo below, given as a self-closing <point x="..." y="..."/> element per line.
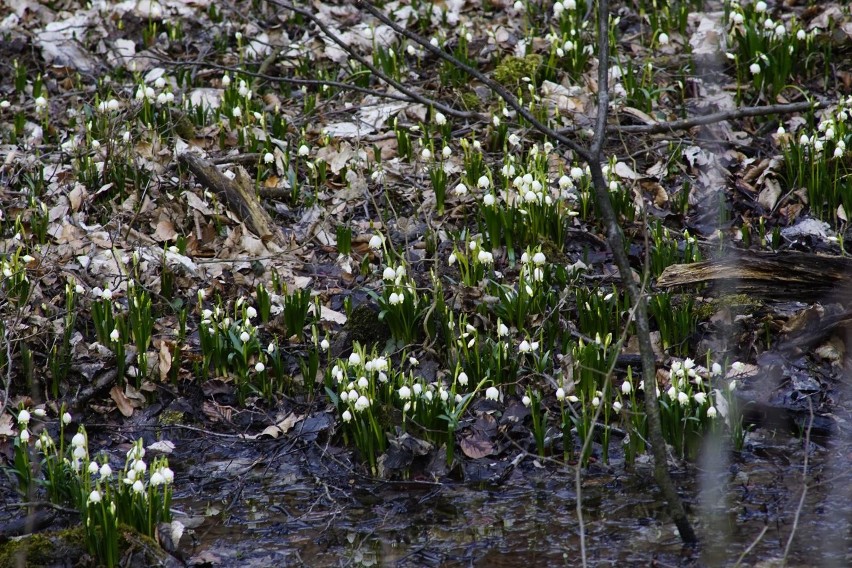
<point x="721" y="116"/>
<point x="373" y="69"/>
<point x="804" y="483"/>
<point x="751" y="546"/>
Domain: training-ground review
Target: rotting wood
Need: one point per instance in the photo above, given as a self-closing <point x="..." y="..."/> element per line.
<point x="238" y="194"/>
<point x="788" y="275"/>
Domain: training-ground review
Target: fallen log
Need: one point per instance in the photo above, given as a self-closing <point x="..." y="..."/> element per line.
<point x="788" y="275"/>
<point x="238" y="194"/>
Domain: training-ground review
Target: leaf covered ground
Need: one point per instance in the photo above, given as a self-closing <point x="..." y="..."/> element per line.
<point x="275" y="221"/>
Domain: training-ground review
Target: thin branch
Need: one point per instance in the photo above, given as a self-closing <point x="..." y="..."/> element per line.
<point x="804" y="482"/>
<point x="313" y="83"/>
<point x="373" y="69"/>
<point x="636" y="295"/>
<point x="751" y="546"/>
<point x="496" y="87"/>
<point x="721" y="116"/>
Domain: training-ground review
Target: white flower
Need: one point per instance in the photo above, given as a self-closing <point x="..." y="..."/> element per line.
<point x="525" y="346"/>
<point x="376" y="242"/>
<point x="754" y="68"/>
<point x="25" y="436"/>
<point x="354" y="359"/>
<point x="251" y="313"/>
<point x="324" y="344"/>
<point x="24" y="417"/>
<point x="461" y="189"/>
<point x="485" y="257"/>
<point x="389" y="274"/>
<point x="39" y="412"/>
<point x="79" y="440"/>
<point x="426" y="154"/>
<point x="760" y="6"/>
<point x="560" y="394"/>
<point x="663" y="38"/>
<point x="711" y="412"/>
<point x="5" y="104"/>
<point x="596" y="402"/>
<point x="488" y="200"/>
<point x="236" y="113"/>
<point x="514" y="139"/>
<point x="502" y="330"/>
<point x="452" y="259"/>
<point x="93" y="468"/>
<point x="268" y="158"/>
<point x="780" y="30"/>
<point x="79" y="453"/>
<point x="417" y="389"/>
<point x="446" y="152"/>
<point x="440" y="119"/>
<point x="700" y="398"/>
<point x="66" y="418"/>
<point x="732" y="386"/>
<point x="492" y="393"/>
<point x="362" y="403"/>
<point x="105" y="471"/>
<point x="539" y="258"/>
<point x="157" y="479"/>
<point x="683" y="398"/>
<point x="495" y="120"/>
<point x="94" y="497"/>
<point x="138" y="486"/>
<point x="800" y="35"/>
<point x="738" y="367"/>
<point x="244" y="337"/>
<point x="40" y="103"/>
<point x="226" y="80"/>
<point x="526" y="400"/>
<point x="483" y="182"/>
<point x="626" y="387"/>
<point x="716" y="369"/>
<point x="168" y="475"/>
<point x="363" y="383"/>
<point x="462" y="378"/>
<point x="672" y="392"/>
<point x="404" y="392"/>
<point x="259" y="367"/>
<point x="304" y="150"/>
<point x="106" y="294"/>
<point x="395" y="299"/>
<point x="347" y="416"/>
<point x="617" y="406"/>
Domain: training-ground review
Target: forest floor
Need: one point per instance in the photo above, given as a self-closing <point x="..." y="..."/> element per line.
<point x="367" y="310"/>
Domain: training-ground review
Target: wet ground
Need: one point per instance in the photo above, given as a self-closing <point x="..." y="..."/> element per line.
<point x="290" y="503"/>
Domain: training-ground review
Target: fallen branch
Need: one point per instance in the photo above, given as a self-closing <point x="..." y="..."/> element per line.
<point x="721" y="116"/>
<point x="238" y="194"/>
